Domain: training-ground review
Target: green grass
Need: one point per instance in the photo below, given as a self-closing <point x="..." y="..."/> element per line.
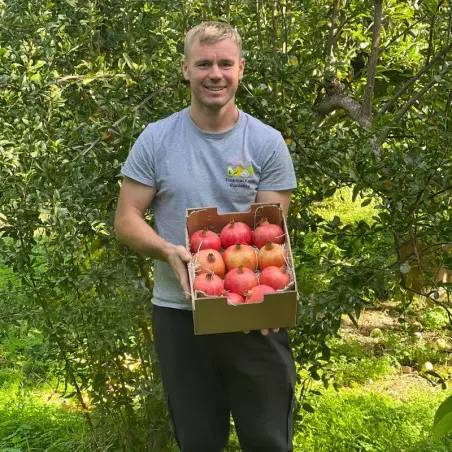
<point x="353" y="420"/>
<point x="341" y="204"/>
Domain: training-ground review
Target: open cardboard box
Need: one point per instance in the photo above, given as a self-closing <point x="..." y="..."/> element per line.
<point x="214" y="314"/>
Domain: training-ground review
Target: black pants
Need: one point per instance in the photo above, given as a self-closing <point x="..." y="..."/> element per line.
<point x="208" y="377"/>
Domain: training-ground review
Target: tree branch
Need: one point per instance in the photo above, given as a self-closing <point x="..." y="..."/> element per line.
<point x="396" y="37"/>
<point x="373" y="59"/>
<point x="412" y="80"/>
<point x="419" y="94"/>
<point x="116" y="124"/>
<point x="69" y="78"/>
<point x="329" y="51"/>
<point x="347" y="103"/>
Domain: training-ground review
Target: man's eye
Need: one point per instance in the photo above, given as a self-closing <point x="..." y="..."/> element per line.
<point x="226" y="64"/>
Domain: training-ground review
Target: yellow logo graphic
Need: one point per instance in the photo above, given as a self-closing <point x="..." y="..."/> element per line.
<point x="240" y="171"/>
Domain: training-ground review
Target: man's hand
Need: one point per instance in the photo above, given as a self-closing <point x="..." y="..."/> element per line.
<point x="177" y="258"/>
<point x="266" y="331"/>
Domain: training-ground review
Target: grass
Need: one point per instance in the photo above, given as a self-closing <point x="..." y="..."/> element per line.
<point x="366" y="420"/>
<point x="341" y="204"/>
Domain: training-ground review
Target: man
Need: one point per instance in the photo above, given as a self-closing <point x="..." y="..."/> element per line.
<point x="184" y="161"/>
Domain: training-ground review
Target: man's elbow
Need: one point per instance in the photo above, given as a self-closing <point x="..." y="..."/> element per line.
<point x="119" y="227"/>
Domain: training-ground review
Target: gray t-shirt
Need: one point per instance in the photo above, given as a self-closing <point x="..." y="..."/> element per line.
<point x="191" y="168"/>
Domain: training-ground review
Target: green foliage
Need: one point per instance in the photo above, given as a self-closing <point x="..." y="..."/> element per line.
<point x="433" y="318"/>
<point x="351" y="363"/>
<point x="411" y="351"/>
<point x="370" y="422"/>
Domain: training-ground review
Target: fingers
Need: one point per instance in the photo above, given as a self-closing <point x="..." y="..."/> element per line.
<point x="178" y="260"/>
<point x="184" y="254"/>
<point x="266" y="331"/>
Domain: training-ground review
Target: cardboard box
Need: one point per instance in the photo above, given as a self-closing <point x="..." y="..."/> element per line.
<point x="214" y="314"/>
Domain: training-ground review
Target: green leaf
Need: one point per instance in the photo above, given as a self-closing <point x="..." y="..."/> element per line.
<point x="366" y="202"/>
<point x="88" y="78"/>
<point x="444" y="409"/>
<point x="443" y="427"/>
<point x="308" y="408"/>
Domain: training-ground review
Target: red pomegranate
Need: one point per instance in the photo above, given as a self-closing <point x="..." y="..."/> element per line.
<point x="233" y="298"/>
<point x="276" y="277"/>
<point x="209" y="283"/>
<point x="256" y="294"/>
<point x="204" y="239"/>
<point x="207" y="261"/>
<point x="267" y="232"/>
<point x="240" y="279"/>
<point x="235" y="232"/>
<point x="239" y="254"/>
<point x="271" y="254"/>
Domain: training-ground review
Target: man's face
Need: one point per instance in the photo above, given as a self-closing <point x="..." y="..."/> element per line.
<point x="214" y="71"/>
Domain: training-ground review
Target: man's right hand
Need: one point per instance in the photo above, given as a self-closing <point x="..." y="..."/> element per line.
<point x="178" y="258"/>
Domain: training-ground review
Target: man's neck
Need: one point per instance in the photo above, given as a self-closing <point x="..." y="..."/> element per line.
<point x="215" y="121"/>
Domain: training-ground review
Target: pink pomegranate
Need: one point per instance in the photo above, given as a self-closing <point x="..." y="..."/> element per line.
<point x="209" y="283"/>
<point x="204" y="239"/>
<point x="267" y="232"/>
<point x="240" y="279"/>
<point x="276" y="277"/>
<point x="256" y="294"/>
<point x="233" y="298"/>
<point x="235" y="232"/>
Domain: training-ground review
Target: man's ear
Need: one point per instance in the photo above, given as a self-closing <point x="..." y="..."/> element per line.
<point x="241" y="68"/>
<point x="185" y="71"/>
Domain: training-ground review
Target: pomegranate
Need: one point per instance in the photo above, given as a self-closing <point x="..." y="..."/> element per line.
<point x="256" y="294"/>
<point x="208" y="261"/>
<point x="267" y="232"/>
<point x="240" y="279"/>
<point x="271" y="254"/>
<point x="239" y="254"/>
<point x="235" y="232"/>
<point x="233" y="298"/>
<point x="276" y="277"/>
<point x="209" y="283"/>
<point x="204" y="239"/>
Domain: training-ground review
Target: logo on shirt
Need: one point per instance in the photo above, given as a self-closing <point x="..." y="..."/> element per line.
<point x="240" y="171"/>
<point x="238" y="174"/>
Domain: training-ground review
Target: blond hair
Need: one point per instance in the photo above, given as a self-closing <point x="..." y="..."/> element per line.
<point x="211" y="32"/>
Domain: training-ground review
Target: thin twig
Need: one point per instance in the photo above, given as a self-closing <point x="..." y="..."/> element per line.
<point x="420" y="93"/>
<point x="373" y="60"/>
<point x="69" y="78"/>
<point x="117" y="123"/>
<point x="412" y="80"/>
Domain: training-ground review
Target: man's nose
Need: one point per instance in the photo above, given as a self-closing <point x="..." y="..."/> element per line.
<point x="215" y="72"/>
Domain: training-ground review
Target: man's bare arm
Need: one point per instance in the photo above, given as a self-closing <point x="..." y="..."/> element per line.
<point x="275" y="196"/>
<point x="132" y="229"/>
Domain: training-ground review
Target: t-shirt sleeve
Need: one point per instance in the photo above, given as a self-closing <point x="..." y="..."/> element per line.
<point x="277" y="171"/>
<point x="139" y="164"/>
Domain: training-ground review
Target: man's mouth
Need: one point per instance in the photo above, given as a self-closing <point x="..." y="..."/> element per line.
<point x="215" y="88"/>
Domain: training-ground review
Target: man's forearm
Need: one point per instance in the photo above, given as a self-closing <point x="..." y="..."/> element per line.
<point x="139" y="236"/>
